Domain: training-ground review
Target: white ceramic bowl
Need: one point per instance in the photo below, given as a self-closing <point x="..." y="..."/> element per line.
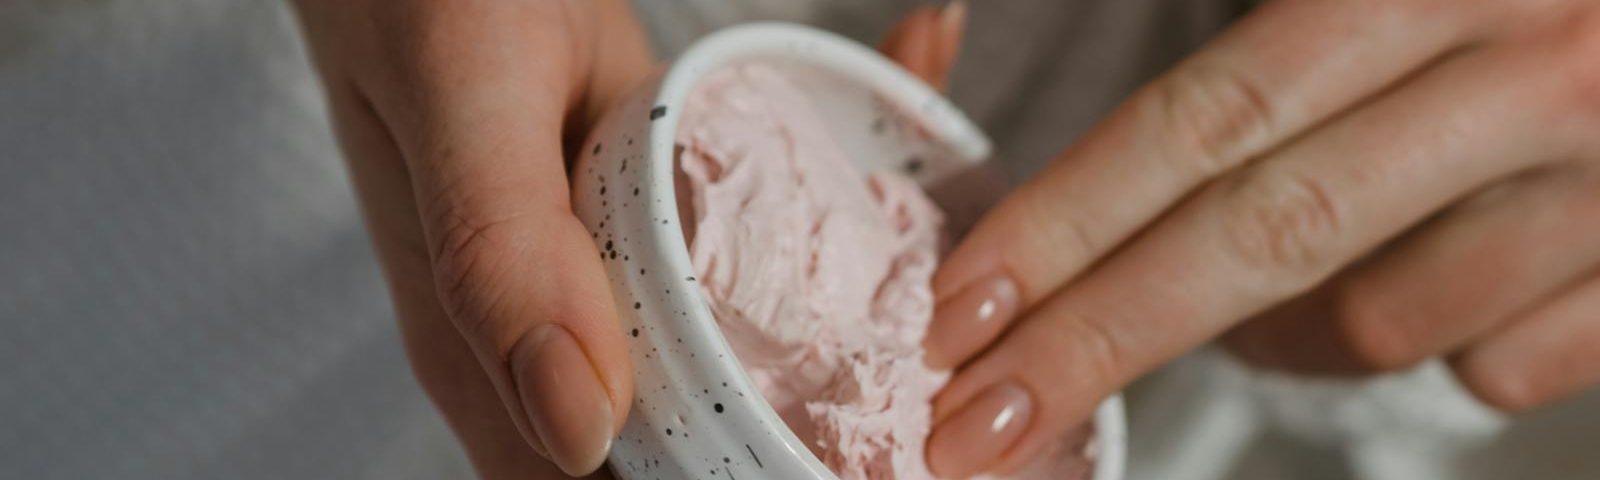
<point x="696" y="414"/>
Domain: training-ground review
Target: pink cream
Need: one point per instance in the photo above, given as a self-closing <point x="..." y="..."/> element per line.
<point x="819" y="275"/>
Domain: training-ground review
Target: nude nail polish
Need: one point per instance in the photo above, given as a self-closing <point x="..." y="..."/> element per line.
<point x="952" y="16"/>
<point x="970" y="319"/>
<point x="566" y="404"/>
<point x="973" y="438"/>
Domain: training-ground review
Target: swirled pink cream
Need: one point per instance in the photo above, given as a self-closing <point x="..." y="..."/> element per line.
<point x="818" y="273"/>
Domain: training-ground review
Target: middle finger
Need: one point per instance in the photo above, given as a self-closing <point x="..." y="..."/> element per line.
<point x="1273" y="230"/>
<point x="1287" y="66"/>
<point x="1457" y="277"/>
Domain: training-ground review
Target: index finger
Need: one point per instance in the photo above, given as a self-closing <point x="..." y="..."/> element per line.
<point x="1285" y="67"/>
<point x="1275" y="229"/>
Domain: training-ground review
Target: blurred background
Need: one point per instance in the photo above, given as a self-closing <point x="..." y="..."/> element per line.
<point x="188" y="291"/>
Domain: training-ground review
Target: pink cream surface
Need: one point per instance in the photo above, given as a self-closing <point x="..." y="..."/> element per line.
<point x="819" y="275"/>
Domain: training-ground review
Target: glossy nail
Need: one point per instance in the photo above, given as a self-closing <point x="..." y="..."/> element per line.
<point x="952" y="18"/>
<point x="970" y="319"/>
<point x="974" y="437"/>
<point x="946" y="43"/>
<point x="565" y="401"/>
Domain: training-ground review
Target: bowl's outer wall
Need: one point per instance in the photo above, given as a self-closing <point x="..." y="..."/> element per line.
<point x="695" y="413"/>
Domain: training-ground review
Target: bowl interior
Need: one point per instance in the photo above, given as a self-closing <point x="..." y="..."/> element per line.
<point x="696" y="412"/>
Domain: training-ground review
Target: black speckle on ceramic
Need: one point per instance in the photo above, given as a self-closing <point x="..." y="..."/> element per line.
<point x="693" y="415"/>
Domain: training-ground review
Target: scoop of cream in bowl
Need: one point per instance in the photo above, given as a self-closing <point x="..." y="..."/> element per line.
<point x="773" y="247"/>
<point x="819" y="275"/>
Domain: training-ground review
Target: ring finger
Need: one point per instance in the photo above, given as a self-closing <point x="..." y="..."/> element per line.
<point x="1461" y="275"/>
<point x="1265" y="234"/>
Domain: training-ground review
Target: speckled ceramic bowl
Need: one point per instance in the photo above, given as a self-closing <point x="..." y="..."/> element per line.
<point x="696" y="413"/>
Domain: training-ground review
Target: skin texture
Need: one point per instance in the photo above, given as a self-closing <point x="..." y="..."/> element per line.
<point x="457" y="119"/>
<point x="454" y="117"/>
<point x="1330" y="187"/>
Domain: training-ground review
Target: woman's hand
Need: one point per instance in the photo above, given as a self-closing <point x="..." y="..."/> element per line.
<point x="1399" y="178"/>
<point x="457" y="118"/>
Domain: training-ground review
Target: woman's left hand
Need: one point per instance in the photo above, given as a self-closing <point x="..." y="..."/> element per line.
<point x="1338" y="186"/>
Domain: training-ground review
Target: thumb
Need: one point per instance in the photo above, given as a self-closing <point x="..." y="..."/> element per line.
<point x="927" y="41"/>
<point x="452" y="116"/>
<point x="481" y="132"/>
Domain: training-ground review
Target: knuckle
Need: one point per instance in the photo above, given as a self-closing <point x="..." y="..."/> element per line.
<point x="468" y="263"/>
<point x="1043" y="226"/>
<point x="1387" y="9"/>
<point x="1513" y="16"/>
<point x="1089" y="349"/>
<point x="1410" y="10"/>
<point x="1377" y="342"/>
<point x="1213" y="116"/>
<point x="1284" y="226"/>
<point x="1584" y="62"/>
<point x="1467" y="19"/>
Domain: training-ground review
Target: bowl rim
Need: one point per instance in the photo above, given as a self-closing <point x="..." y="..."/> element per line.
<point x="852" y="61"/>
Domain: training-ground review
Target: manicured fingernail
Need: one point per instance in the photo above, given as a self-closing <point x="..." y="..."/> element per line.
<point x="952" y="17"/>
<point x="973" y="438"/>
<point x="944" y="46"/>
<point x="565" y="401"/>
<point x="968" y="320"/>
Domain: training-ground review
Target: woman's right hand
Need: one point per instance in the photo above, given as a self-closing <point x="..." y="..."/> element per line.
<point x="457" y="118"/>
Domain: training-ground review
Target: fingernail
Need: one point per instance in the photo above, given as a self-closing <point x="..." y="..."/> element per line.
<point x="974" y="437"/>
<point x="952" y="17"/>
<point x="968" y="320"/>
<point x="565" y="402"/>
<point x="947" y="44"/>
